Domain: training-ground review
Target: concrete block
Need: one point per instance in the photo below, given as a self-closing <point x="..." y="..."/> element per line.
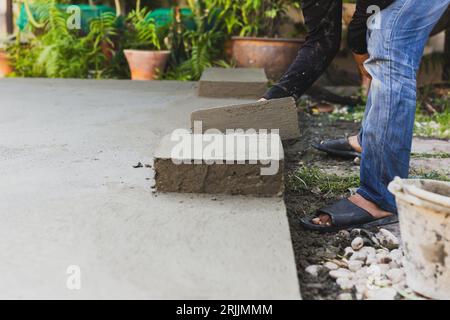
<point x="278" y="114"/>
<point x="245" y="83"/>
<point x="220" y="164"/>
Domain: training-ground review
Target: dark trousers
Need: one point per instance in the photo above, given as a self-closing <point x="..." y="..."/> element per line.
<point x="323" y="19"/>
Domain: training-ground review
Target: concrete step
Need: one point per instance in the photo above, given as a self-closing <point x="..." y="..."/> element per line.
<point x="245" y="83"/>
<point x="244" y="164"/>
<point x="278" y="114"/>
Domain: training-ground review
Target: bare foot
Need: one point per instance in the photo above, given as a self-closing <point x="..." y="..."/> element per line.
<point x="353" y="140"/>
<point x="372" y="208"/>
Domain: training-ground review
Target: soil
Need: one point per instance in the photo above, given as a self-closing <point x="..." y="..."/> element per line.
<point x="312" y="247"/>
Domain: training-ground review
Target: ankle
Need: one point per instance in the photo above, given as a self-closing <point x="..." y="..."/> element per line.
<point x="369" y="206"/>
<point x="353" y="140"/>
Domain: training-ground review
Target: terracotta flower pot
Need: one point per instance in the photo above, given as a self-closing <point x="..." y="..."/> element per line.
<point x="146" y="65"/>
<point x="5" y="65"/>
<point x="273" y="54"/>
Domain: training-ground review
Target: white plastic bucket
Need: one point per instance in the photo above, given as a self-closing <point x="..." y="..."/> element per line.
<point x="424" y="215"/>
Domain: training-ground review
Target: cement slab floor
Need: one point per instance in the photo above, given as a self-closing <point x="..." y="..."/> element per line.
<point x="69" y="195"/>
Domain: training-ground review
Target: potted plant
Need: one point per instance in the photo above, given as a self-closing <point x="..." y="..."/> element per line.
<point x="256" y="41"/>
<point x="5" y="62"/>
<point x="143" y="42"/>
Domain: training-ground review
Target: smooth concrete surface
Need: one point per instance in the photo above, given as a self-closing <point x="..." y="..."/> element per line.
<point x="69" y="195"/>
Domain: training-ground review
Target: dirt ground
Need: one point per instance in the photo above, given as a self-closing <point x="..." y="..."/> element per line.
<point x="311" y="247"/>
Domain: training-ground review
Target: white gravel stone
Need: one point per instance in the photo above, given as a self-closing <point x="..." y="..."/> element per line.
<point x="387" y="239"/>
<point x="357" y="243"/>
<point x="344" y="234"/>
<point x="345" y="296"/>
<point x="370" y="251"/>
<point x="371" y="260"/>
<point x="355" y="232"/>
<point x="383" y="258"/>
<point x="361" y="287"/>
<point x="361" y="256"/>
<point x="355" y="265"/>
<point x="396" y="275"/>
<point x="362" y="273"/>
<point x="344" y="283"/>
<point x="399" y="286"/>
<point x="362" y="281"/>
<point x="397" y="256"/>
<point x="331" y="266"/>
<point x="382" y="282"/>
<point x="313" y="270"/>
<point x="381" y="294"/>
<point x="374" y="270"/>
<point x="384" y="268"/>
<point x="382" y="250"/>
<point x="341" y="273"/>
<point x="348" y="252"/>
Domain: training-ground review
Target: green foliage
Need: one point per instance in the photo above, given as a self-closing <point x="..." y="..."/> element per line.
<point x="253" y="18"/>
<point x="195" y="50"/>
<point x="141" y="32"/>
<point x="57" y="52"/>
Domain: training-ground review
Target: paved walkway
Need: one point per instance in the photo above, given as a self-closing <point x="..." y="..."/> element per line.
<point x="69" y="195"/>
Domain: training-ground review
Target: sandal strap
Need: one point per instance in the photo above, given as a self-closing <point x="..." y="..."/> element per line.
<point x="345" y="213"/>
<point x="337" y="144"/>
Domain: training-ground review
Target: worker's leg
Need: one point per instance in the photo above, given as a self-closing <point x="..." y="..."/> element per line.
<point x="395" y="49"/>
<point x="395" y="52"/>
<point x="323" y="18"/>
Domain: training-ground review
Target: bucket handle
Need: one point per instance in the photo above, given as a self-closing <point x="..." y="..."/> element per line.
<point x="427" y="195"/>
<point x="417" y="195"/>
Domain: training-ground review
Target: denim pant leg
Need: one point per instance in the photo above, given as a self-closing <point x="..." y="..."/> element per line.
<point x="395" y="48"/>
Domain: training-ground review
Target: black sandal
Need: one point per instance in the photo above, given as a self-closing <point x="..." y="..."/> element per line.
<point x="338" y="147"/>
<point x="347" y="215"/>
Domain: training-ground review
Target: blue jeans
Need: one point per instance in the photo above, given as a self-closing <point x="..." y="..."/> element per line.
<point x="395" y="47"/>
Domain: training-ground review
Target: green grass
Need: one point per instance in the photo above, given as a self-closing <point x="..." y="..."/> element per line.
<point x="432" y="175"/>
<point x="437" y="155"/>
<point x="313" y="178"/>
<point x="436" y="125"/>
<point x="355" y="114"/>
<point x="316" y="180"/>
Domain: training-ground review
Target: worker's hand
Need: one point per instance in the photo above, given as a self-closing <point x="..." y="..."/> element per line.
<point x="360" y="59"/>
<point x="366" y="78"/>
